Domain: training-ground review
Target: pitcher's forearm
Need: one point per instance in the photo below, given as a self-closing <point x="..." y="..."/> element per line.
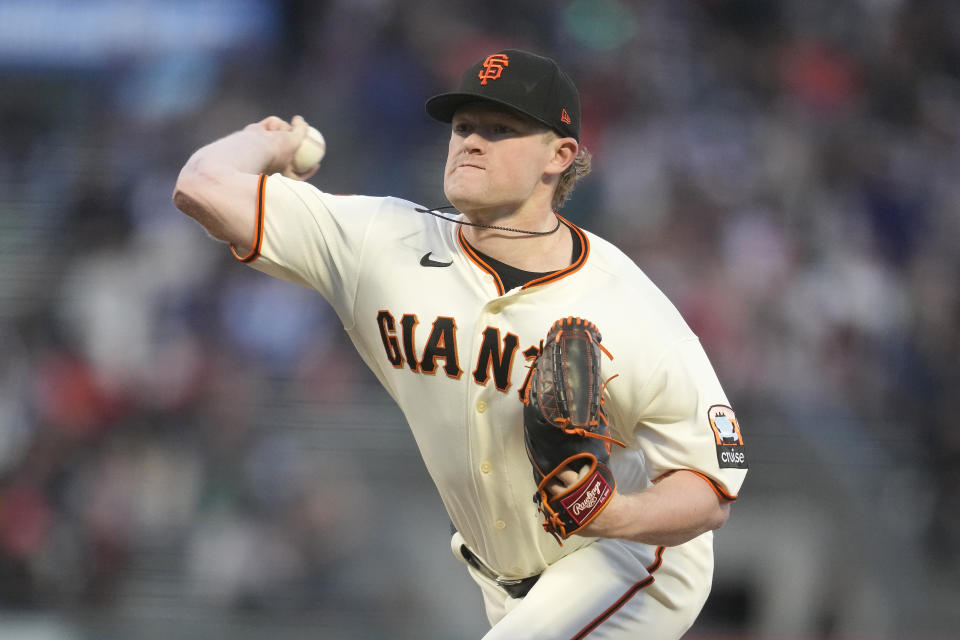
<point x="247" y="151"/>
<point x="675" y="510"/>
<point x="218" y="184"/>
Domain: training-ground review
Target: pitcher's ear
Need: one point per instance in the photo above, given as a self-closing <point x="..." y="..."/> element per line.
<point x="564" y="153"/>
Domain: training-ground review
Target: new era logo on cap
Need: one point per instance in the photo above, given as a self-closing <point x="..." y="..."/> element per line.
<point x="525" y="82"/>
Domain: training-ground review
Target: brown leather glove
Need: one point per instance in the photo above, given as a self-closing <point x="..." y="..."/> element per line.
<point x="565" y="427"/>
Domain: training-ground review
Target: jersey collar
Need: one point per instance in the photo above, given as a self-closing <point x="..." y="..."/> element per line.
<point x="550" y="277"/>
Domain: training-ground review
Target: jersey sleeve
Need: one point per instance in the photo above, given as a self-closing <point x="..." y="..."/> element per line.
<point x="312" y="238"/>
<point x="680" y="418"/>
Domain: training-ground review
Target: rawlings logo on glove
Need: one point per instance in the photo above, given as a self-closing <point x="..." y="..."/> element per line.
<point x="564" y="427"/>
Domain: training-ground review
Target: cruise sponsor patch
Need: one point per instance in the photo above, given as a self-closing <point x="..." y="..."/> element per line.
<point x="726" y="432"/>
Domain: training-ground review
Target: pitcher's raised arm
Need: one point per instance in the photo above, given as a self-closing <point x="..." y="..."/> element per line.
<point x="218" y="184"/>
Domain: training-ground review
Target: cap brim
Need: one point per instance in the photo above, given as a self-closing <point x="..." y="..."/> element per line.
<point x="442" y="107"/>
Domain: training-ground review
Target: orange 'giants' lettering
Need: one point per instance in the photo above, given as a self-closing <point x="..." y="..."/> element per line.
<point x="442" y="343"/>
<point x="530" y="355"/>
<point x="388" y="334"/>
<point x="492" y="358"/>
<point x="409" y="324"/>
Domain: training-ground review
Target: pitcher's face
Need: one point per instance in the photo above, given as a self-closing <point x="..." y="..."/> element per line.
<point x="496" y="158"/>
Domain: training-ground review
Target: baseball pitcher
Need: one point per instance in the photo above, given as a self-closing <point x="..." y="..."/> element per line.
<point x="575" y="430"/>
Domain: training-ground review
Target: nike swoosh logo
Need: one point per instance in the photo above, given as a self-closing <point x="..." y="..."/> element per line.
<point x="426" y="261"/>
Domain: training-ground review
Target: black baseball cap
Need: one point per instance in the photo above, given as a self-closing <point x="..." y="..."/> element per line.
<point x="531" y="84"/>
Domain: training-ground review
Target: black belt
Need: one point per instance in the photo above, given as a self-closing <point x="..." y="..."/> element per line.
<point x="515" y="588"/>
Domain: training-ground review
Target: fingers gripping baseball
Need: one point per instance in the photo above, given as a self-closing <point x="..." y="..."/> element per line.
<point x="565" y="429"/>
<point x="275" y="123"/>
<point x="296" y="147"/>
<point x="310" y="151"/>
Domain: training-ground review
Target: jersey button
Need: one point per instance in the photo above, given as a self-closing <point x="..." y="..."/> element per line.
<point x="486" y="467"/>
<point x="500" y="524"/>
<point x="481" y="406"/>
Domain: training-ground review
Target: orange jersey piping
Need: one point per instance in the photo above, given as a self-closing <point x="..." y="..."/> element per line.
<point x="467" y="249"/>
<point x="550" y="277"/>
<point x="581" y="259"/>
<point x="258" y="232"/>
<point x="717" y="489"/>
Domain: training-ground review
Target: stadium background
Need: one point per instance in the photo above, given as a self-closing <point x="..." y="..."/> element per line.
<point x="189" y="449"/>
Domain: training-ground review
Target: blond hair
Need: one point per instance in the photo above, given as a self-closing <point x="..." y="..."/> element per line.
<point x="580" y="167"/>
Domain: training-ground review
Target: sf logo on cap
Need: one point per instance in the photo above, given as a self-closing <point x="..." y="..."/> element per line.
<point x="493" y="66"/>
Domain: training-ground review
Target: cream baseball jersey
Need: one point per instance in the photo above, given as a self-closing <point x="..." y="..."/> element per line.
<point x="431" y="319"/>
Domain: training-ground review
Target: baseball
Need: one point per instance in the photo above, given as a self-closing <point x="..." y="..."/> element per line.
<point x="310" y="152"/>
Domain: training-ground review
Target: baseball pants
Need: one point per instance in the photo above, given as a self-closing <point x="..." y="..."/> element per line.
<point x="609" y="590"/>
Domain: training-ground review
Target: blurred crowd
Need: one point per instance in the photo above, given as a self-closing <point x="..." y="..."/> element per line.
<point x="786" y="171"/>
